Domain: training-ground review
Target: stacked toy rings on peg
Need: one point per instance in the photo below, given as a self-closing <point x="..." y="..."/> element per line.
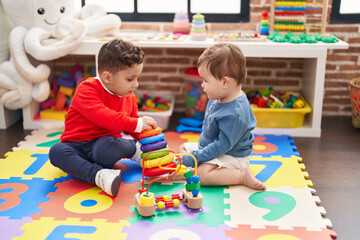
<point x="151" y="142"/>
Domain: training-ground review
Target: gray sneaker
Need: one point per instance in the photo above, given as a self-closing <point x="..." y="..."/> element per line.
<point x="108" y="180"/>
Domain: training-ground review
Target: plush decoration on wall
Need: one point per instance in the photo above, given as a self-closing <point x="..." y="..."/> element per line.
<point x="44" y="30"/>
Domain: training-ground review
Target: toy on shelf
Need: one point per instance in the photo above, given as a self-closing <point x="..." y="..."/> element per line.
<point x="301" y="38"/>
<point x="298" y="15"/>
<point x="271" y="98"/>
<point x="238" y="37"/>
<point x="152" y="36"/>
<point x="63" y="89"/>
<point x="181" y="24"/>
<point x="195" y="97"/>
<point x="264" y="27"/>
<point x="159" y="162"/>
<point x="163" y="37"/>
<point x="198" y="31"/>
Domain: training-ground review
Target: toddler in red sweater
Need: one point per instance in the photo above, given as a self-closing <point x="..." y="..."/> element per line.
<point x="101" y="109"/>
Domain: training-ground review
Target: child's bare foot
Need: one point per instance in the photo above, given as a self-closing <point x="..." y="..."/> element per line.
<point x="250" y="181"/>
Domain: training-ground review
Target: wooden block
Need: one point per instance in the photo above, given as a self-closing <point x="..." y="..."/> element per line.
<point x="53" y="115"/>
<point x="87" y="75"/>
<point x="60" y="101"/>
<point x="79" y="80"/>
<point x="66" y="91"/>
<point x="65" y="82"/>
<point x="47" y="103"/>
<point x="145" y="211"/>
<point x="191" y="201"/>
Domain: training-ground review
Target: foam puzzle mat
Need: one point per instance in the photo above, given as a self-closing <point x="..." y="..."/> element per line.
<point x="39" y="201"/>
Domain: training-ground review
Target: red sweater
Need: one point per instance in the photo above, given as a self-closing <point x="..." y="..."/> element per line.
<point x="94" y="113"/>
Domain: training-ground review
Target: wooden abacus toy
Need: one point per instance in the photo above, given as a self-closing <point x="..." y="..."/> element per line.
<point x="162" y="162"/>
<point x="298" y="15"/>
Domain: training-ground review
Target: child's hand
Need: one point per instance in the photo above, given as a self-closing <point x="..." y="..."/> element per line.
<point x="148" y="123"/>
<point x="181" y="149"/>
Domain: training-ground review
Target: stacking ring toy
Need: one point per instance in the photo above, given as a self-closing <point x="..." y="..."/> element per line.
<point x="158" y="161"/>
<point x="152" y="139"/>
<point x="155" y="154"/>
<point x="150" y="133"/>
<point x="151" y="172"/>
<point x="153" y="146"/>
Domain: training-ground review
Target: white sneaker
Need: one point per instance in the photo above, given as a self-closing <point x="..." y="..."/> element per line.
<point x="137" y="155"/>
<point x="108" y="180"/>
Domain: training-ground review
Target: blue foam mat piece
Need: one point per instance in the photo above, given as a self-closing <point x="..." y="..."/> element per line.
<point x="285" y="146"/>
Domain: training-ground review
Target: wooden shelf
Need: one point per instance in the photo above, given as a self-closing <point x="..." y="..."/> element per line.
<point x="314" y="56"/>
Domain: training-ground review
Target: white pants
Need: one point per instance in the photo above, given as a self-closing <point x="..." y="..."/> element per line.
<point x="223" y="161"/>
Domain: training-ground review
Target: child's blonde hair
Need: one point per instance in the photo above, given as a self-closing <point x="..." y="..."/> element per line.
<point x="117" y="55"/>
<point x="224" y="60"/>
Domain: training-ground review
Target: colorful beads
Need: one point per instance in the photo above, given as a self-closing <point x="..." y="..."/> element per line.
<point x="168" y="202"/>
<point x="160" y="205"/>
<point x="192" y="183"/>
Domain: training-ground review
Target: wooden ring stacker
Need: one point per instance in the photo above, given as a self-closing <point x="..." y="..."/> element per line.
<point x="156" y="154"/>
<point x="152" y="139"/>
<point x="149" y="133"/>
<point x="153" y="146"/>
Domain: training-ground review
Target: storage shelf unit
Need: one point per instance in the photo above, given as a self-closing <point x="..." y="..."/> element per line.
<point x="314" y="56"/>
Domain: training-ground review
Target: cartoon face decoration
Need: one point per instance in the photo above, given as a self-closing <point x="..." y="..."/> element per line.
<point x="39" y="13"/>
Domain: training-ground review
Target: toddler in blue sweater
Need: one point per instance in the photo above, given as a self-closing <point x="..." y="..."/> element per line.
<point x="225" y="145"/>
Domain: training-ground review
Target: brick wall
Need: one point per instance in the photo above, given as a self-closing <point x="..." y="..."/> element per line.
<point x="164" y="67"/>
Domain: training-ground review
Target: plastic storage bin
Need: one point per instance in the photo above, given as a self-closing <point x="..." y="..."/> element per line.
<point x="162" y="118"/>
<point x="195" y="98"/>
<point x="281" y="118"/>
<point x="354" y="86"/>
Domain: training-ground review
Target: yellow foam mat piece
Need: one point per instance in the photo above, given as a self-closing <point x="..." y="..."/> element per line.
<point x="28" y="164"/>
<point x="48" y="228"/>
<point x="290" y="173"/>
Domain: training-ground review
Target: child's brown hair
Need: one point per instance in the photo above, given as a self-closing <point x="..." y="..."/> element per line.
<point x="117" y="55"/>
<point x="224" y="60"/>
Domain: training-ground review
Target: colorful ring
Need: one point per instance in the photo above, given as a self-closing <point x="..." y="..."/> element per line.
<point x="152" y="139"/>
<point x="158" y="161"/>
<point x="151" y="172"/>
<point x="153" y="146"/>
<point x="155" y="154"/>
<point x="149" y="133"/>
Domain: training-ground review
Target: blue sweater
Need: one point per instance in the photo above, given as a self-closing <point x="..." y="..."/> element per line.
<point x="226" y="130"/>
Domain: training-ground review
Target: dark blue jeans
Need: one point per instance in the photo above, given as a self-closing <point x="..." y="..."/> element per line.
<point x="84" y="159"/>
